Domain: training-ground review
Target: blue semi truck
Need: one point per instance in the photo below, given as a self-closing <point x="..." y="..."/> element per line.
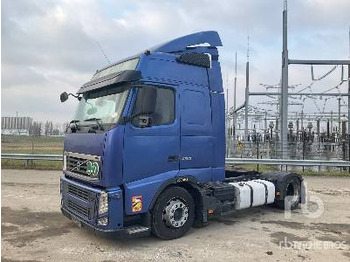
<point x="145" y="152"/>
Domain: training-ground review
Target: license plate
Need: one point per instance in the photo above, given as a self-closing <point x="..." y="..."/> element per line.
<point x="76" y="221"/>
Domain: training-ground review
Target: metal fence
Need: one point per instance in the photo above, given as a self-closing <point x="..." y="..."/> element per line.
<point x="228" y="161"/>
<point x="254" y="152"/>
<point x="307" y="149"/>
<point x="31" y="157"/>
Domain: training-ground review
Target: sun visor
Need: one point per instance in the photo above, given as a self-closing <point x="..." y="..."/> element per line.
<point x="118" y="78"/>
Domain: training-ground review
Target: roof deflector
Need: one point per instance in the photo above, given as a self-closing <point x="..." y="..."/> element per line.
<point x="179" y="44"/>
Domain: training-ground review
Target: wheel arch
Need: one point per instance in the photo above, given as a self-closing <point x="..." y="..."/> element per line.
<point x="186" y="182"/>
<point x="190" y="184"/>
<point x="279" y="180"/>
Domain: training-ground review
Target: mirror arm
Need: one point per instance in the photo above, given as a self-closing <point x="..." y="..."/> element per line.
<point x="76" y="96"/>
<point x="64" y="96"/>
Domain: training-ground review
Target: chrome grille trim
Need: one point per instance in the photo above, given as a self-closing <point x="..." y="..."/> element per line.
<point x="75" y="165"/>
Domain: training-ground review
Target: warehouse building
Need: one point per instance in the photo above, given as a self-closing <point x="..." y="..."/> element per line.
<point x="16" y="125"/>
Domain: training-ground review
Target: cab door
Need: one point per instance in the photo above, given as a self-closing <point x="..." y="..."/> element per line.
<point x="152" y="136"/>
<point x="196" y="133"/>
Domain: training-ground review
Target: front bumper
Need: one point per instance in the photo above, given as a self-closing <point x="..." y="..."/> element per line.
<point x="81" y="202"/>
<point x="85" y="198"/>
<point x="97" y="231"/>
<point x="110" y="234"/>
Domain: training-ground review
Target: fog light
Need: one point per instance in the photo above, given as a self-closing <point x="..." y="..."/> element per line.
<point x="103" y="203"/>
<point x="102" y="221"/>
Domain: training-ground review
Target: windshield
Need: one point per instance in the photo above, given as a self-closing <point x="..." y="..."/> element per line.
<point x="105" y="108"/>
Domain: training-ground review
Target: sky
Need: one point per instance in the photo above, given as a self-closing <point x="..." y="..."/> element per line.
<point x="51" y="46"/>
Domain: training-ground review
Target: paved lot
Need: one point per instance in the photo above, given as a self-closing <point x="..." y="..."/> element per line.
<point x="33" y="229"/>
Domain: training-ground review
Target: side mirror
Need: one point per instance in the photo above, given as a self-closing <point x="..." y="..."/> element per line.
<point x="64" y="97"/>
<point x="140" y="120"/>
<point x="144" y="121"/>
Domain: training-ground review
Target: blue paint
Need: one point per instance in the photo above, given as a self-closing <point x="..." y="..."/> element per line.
<point x="138" y="161"/>
<point x="146" y="188"/>
<point x="210" y="37"/>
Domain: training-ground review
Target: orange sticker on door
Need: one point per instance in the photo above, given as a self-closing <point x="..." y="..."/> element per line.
<point x="136" y="204"/>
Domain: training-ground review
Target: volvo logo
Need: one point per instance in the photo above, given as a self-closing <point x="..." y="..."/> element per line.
<point x="79" y="164"/>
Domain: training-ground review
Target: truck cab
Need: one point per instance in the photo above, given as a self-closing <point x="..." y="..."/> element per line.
<point x="145" y="151"/>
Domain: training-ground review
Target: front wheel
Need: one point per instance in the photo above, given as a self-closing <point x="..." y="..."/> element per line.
<point x="173" y="213"/>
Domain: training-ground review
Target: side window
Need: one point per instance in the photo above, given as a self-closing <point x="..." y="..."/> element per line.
<point x="154" y="107"/>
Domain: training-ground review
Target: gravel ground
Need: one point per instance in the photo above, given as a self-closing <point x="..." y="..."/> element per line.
<point x="33" y="229"/>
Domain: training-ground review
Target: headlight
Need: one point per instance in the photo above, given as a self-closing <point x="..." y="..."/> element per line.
<point x="103" y="203"/>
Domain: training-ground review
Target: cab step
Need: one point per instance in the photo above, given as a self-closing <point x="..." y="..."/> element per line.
<point x="138" y="230"/>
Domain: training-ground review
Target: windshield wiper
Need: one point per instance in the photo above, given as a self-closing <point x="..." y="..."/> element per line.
<point x="97" y="120"/>
<point x="76" y="127"/>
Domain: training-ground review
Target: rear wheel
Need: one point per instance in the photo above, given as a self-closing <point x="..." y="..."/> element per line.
<point x="173" y="213"/>
<point x="291" y="192"/>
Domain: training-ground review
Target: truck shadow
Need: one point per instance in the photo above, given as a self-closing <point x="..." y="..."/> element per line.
<point x="254" y="214"/>
<point x="23" y="227"/>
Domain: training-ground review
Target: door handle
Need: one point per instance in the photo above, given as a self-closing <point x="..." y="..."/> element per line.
<point x="173" y="158"/>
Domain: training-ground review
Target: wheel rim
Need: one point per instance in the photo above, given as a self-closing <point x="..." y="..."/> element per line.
<point x="292" y="191"/>
<point x="175" y="213"/>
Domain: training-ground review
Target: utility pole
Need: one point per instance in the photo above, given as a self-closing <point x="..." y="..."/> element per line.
<point x="348" y="137"/>
<point x="246" y="97"/>
<point x="331" y="122"/>
<point x="349" y="97"/>
<point x="339" y="113"/>
<point x="302" y="120"/>
<point x="227" y="120"/>
<point x="235" y="106"/>
<point x="284" y="87"/>
<point x="227" y="106"/>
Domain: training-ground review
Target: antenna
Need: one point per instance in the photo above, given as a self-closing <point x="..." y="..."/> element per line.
<point x="248" y="48"/>
<point x="103" y="52"/>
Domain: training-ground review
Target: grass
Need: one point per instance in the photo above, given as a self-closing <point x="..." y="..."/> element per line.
<point x="307" y="172"/>
<point x="261" y="168"/>
<point x="326" y="173"/>
<point x="31" y="145"/>
<point x="54" y="145"/>
<point x="36" y="164"/>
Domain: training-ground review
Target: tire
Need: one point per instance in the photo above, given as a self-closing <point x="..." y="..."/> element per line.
<point x="291" y="189"/>
<point x="173" y="213"/>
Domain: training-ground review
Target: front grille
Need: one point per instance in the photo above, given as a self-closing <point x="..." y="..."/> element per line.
<point x="78" y="192"/>
<point x="77" y="164"/>
<point x="83" y="211"/>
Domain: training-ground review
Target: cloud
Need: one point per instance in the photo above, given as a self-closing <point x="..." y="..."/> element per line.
<point x="52" y="46"/>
